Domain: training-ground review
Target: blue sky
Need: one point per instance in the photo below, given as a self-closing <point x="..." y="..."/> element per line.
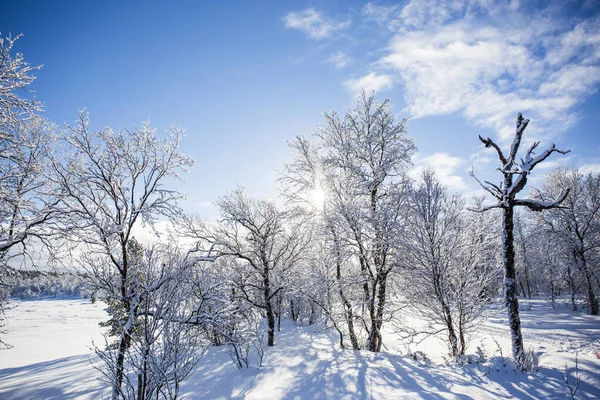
<point x="246" y="77"/>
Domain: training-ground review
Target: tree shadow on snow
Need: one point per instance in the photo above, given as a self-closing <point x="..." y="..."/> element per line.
<point x="63" y="378"/>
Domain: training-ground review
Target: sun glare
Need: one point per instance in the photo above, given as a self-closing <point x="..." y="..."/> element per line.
<point x="318" y="198"/>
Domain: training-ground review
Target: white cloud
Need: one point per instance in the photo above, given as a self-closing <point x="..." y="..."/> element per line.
<point x="590" y="169"/>
<point x="370" y="82"/>
<point x="445" y="167"/>
<point x="339" y="60"/>
<point x="314" y="24"/>
<point x="382" y="15"/>
<point x="149" y="236"/>
<point x="489" y="60"/>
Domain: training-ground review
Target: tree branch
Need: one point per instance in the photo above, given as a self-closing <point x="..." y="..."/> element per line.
<point x="538" y="205"/>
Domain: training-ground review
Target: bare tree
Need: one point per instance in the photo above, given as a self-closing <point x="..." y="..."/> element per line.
<point x="576" y="222"/>
<point x="515" y="175"/>
<point x="15" y="75"/>
<point x="164" y="347"/>
<point x="258" y="235"/>
<point x="27" y="199"/>
<point x="360" y="162"/>
<point x="432" y="241"/>
<point x="113" y="181"/>
<point x="451" y="271"/>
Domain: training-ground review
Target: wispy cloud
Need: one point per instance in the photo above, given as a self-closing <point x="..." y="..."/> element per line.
<point x="370" y="82"/>
<point x="339" y="60"/>
<point x="590" y="169"/>
<point x="489" y="60"/>
<point x="314" y="24"/>
<point x="446" y="168"/>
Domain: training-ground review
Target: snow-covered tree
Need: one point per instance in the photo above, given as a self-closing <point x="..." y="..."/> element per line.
<point x="451" y="268"/>
<point x="514" y="178"/>
<point x="15" y="77"/>
<point x="27" y="199"/>
<point x="356" y="171"/>
<point x="113" y="181"/>
<point x="264" y="241"/>
<point x="576" y="223"/>
<point x="164" y="345"/>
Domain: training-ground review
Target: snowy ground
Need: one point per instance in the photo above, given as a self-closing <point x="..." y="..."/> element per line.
<point x="51" y="360"/>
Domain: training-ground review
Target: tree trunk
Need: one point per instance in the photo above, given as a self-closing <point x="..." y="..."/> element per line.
<point x="270" y="313"/>
<point x="571" y="281"/>
<point x="583" y="267"/>
<point x="377" y="341"/>
<point x="510" y="285"/>
<point x="123" y="346"/>
<point x="591" y="296"/>
<point x="450" y="326"/>
<point x="347" y="306"/>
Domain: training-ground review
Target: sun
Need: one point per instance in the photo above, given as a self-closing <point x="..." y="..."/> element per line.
<point x="317" y="198"/>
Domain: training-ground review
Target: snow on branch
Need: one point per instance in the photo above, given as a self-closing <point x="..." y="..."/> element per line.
<point x="538" y="205"/>
<point x="531" y="162"/>
<point x="485" y="208"/>
<point x="489" y="187"/>
<point x="490" y="143"/>
<point x="514" y="147"/>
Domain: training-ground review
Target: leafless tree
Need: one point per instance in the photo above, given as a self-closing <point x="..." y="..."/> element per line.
<point x="451" y="268"/>
<point x="27" y="199"/>
<point x="576" y="222"/>
<point x="15" y="77"/>
<point x="515" y="173"/>
<point x="113" y="181"/>
<point x="264" y="241"/>
<point x="357" y="169"/>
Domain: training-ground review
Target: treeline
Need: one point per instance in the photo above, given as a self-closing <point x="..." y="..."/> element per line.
<point x="29" y="284"/>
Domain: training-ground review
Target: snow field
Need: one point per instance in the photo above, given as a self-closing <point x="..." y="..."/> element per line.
<point x="51" y="353"/>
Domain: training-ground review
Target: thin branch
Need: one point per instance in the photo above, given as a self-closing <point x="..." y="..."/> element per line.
<point x="490" y="143"/>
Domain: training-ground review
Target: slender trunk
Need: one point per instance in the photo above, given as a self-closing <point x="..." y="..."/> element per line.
<point x="372" y="338"/>
<point x="583" y="266"/>
<point x="377" y="322"/>
<point x="510" y="285"/>
<point x="461" y="334"/>
<point x="123" y="346"/>
<point x="571" y="281"/>
<point x="293" y="311"/>
<point x="452" y="339"/>
<point x="591" y="296"/>
<point x="269" y="310"/>
<point x="347" y="306"/>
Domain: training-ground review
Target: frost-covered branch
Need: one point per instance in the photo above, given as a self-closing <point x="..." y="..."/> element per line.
<point x="490" y="143"/>
<point x="539" y="205"/>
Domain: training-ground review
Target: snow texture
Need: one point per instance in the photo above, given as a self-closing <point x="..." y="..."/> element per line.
<point x="51" y="360"/>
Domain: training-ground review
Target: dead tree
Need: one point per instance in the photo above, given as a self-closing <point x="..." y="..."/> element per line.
<point x="515" y="175"/>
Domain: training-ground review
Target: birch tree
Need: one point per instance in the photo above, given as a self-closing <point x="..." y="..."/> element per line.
<point x="361" y="160"/>
<point x="259" y="236"/>
<point x="114" y="181"/>
<point x="451" y="272"/>
<point x="27" y="199"/>
<point x="514" y="178"/>
<point x="576" y="223"/>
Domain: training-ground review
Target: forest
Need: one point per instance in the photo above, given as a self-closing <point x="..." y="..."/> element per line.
<point x="351" y="245"/>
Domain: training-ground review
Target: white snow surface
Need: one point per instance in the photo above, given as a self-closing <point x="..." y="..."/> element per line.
<point x="51" y="354"/>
